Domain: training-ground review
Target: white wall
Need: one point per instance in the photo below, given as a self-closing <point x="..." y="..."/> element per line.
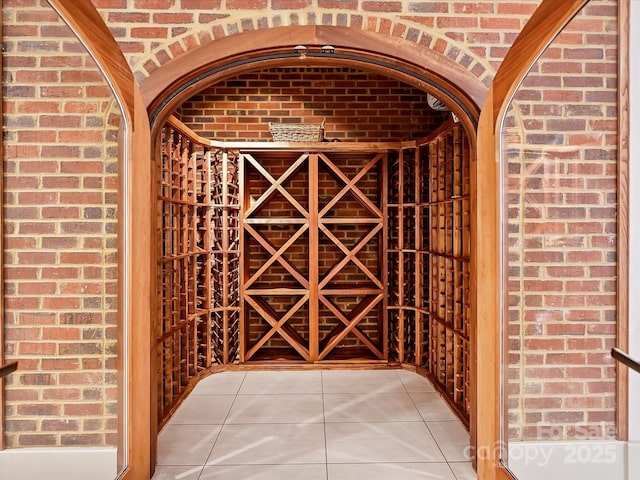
<point x="66" y="463"/>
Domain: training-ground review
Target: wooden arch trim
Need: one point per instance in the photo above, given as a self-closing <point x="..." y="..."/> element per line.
<point x="134" y="219"/>
<point x="624" y="187"/>
<point x="544" y="25"/>
<point x="86" y="23"/>
<point x="171" y="84"/>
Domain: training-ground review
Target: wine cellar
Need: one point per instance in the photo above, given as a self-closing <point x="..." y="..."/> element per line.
<point x="336" y="254"/>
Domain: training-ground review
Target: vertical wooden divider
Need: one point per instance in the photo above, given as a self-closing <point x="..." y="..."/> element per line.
<point x="208" y="247"/>
<point x="401" y="286"/>
<point x="314" y="276"/>
<point x="384" y="257"/>
<point x="244" y="260"/>
<point x="418" y="260"/>
<point x="225" y="262"/>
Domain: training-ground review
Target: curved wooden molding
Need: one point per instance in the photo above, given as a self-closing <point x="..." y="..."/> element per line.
<point x="624" y="186"/>
<point x="171" y="84"/>
<point x="544" y="25"/>
<point x="2" y="302"/>
<point x="135" y="226"/>
<point x="85" y="21"/>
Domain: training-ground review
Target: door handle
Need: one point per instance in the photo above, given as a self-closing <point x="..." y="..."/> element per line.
<point x="623" y="357"/>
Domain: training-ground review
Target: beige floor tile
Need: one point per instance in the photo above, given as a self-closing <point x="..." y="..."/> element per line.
<point x="463" y="471"/>
<point x="390" y="471"/>
<point x="298" y="408"/>
<point x="381" y="442"/>
<point x="173" y="472"/>
<point x="371" y="407"/>
<point x="361" y="381"/>
<point x="281" y="383"/>
<point x="432" y="407"/>
<point x="203" y="410"/>
<point x="186" y="444"/>
<point x="269" y="444"/>
<point x="414" y="382"/>
<point x="265" y="472"/>
<point x="452" y="439"/>
<point x="223" y="383"/>
<point x="368" y="424"/>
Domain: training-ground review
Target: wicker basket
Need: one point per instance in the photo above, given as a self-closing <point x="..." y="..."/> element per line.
<point x="297" y="132"/>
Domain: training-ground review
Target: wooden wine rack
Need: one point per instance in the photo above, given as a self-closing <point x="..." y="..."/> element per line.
<point x="313" y="253"/>
<point x="313" y="239"/>
<point x="429" y="258"/>
<point x="198" y="261"/>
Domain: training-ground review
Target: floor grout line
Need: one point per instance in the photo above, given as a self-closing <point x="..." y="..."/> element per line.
<point x="324" y="428"/>
<point x="224" y="422"/>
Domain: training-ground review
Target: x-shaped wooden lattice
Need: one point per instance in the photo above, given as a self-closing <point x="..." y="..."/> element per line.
<point x="350" y="255"/>
<point x="350" y="185"/>
<point x="277" y="255"/>
<point x="351" y="324"/>
<point x="278" y="324"/>
<point x="276" y="185"/>
<point x="370" y="296"/>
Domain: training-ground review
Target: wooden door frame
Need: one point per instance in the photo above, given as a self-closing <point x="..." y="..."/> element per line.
<point x="171" y="84"/>
<point x="545" y="24"/>
<point x="134" y="220"/>
<point x="624" y="186"/>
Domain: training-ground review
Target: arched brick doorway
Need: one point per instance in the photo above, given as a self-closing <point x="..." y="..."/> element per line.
<point x="177" y="80"/>
<point x="169" y="85"/>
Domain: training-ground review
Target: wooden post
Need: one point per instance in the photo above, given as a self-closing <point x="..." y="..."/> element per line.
<point x="314" y="280"/>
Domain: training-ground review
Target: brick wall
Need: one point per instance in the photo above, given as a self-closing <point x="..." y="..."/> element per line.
<point x="561" y="146"/>
<point x="60" y="233"/>
<point x="152" y="32"/>
<point x="60" y="181"/>
<point x="357" y="106"/>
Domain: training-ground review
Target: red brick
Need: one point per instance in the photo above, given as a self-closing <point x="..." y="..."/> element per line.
<point x="83" y="409"/>
<point x="37" y="440"/>
<point x="59" y="425"/>
<point x="149" y="32"/>
<point x="60" y="334"/>
<point x="564" y="388"/>
<point x="373" y="6"/>
<point x="154" y="4"/>
<point x="39" y="409"/>
<point x="110" y="3"/>
<point x="200" y="4"/>
<point x="289" y="4"/>
<point x="246" y="4"/>
<point x="338" y="4"/>
<point x="457" y="22"/>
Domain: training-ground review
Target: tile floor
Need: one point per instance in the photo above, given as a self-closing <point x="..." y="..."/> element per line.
<point x="314" y="425"/>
